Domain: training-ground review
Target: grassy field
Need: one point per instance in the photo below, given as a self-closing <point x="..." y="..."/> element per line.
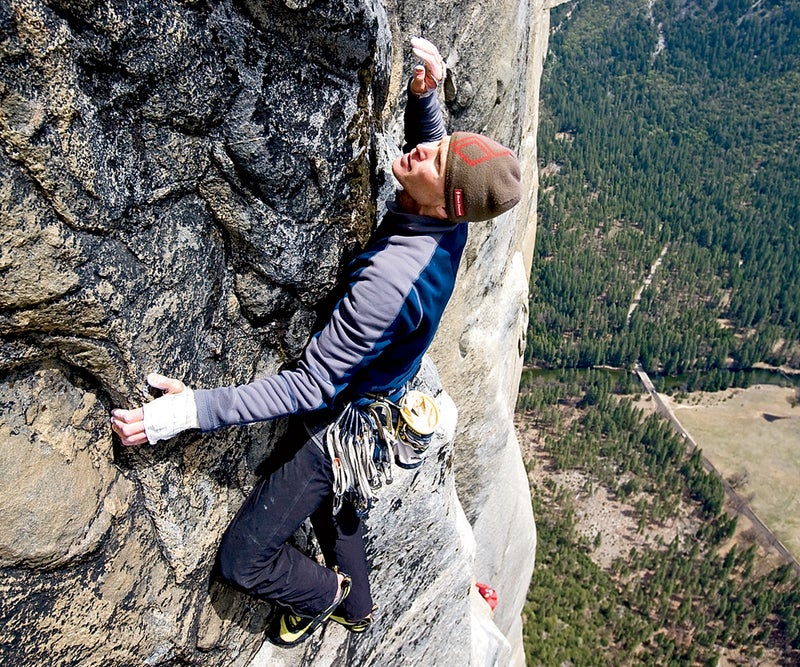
<point x="752" y="436"/>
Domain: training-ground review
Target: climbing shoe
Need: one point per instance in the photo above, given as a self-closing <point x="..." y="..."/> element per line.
<point x="353" y="626"/>
<point x="288" y="629"/>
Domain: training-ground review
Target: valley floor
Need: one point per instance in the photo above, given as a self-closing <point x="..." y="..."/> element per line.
<point x="752" y="437"/>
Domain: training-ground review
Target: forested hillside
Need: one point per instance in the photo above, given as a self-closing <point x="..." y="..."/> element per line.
<point x="669" y="161"/>
<point x="671" y="128"/>
<point x="686" y="593"/>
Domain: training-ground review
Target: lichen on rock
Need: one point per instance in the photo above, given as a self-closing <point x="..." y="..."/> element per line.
<point x="183" y="183"/>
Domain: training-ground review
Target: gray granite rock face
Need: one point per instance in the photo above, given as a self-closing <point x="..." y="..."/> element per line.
<point x="495" y="56"/>
<point x="182" y="184"/>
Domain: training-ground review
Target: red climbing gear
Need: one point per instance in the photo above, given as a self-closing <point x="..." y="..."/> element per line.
<point x="489" y="594"/>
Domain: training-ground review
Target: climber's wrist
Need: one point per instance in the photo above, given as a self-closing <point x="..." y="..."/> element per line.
<point x="170" y="415"/>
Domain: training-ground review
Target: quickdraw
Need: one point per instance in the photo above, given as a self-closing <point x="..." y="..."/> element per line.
<point x="365" y="440"/>
<point x="351" y="442"/>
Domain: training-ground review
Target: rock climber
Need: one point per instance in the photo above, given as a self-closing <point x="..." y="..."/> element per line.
<point x="372" y="345"/>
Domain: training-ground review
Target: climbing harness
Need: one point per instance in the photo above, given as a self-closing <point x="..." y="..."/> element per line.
<point x="366" y="439"/>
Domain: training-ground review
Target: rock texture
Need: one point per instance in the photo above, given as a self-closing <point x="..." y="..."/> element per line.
<point x="182" y="182"/>
<point x="480" y="343"/>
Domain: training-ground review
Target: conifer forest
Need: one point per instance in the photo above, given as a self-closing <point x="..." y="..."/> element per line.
<point x="669" y="128"/>
<point x="681" y="600"/>
<point x="668" y="235"/>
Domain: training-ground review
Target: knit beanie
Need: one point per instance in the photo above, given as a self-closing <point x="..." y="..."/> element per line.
<point x="481" y="180"/>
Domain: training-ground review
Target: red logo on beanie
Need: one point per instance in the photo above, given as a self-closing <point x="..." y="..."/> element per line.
<point x="458" y="202"/>
<point x="475" y="148"/>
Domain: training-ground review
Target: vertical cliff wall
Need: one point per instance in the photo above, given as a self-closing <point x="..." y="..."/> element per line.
<point x="480" y="344"/>
<point x="182" y="182"/>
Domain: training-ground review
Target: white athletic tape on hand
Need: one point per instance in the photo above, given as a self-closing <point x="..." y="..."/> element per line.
<point x="169" y="415"/>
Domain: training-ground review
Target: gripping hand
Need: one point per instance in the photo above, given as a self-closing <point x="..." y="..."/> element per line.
<point x="160" y="419"/>
<point x="430" y="73"/>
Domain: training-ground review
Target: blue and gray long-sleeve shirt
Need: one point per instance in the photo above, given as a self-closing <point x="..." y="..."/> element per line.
<point x="380" y="329"/>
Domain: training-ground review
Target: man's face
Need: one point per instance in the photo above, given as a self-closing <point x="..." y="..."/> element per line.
<point x="421" y="173"/>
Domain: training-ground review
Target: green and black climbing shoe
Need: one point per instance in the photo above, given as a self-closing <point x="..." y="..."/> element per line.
<point x="288" y="629"/>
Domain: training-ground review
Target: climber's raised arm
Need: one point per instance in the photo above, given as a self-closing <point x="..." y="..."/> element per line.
<point x="423" y="120"/>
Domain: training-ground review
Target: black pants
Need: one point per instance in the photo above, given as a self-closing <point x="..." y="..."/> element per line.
<point x="254" y="555"/>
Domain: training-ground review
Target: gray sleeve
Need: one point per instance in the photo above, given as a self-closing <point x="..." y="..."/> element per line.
<point x="363" y="324"/>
